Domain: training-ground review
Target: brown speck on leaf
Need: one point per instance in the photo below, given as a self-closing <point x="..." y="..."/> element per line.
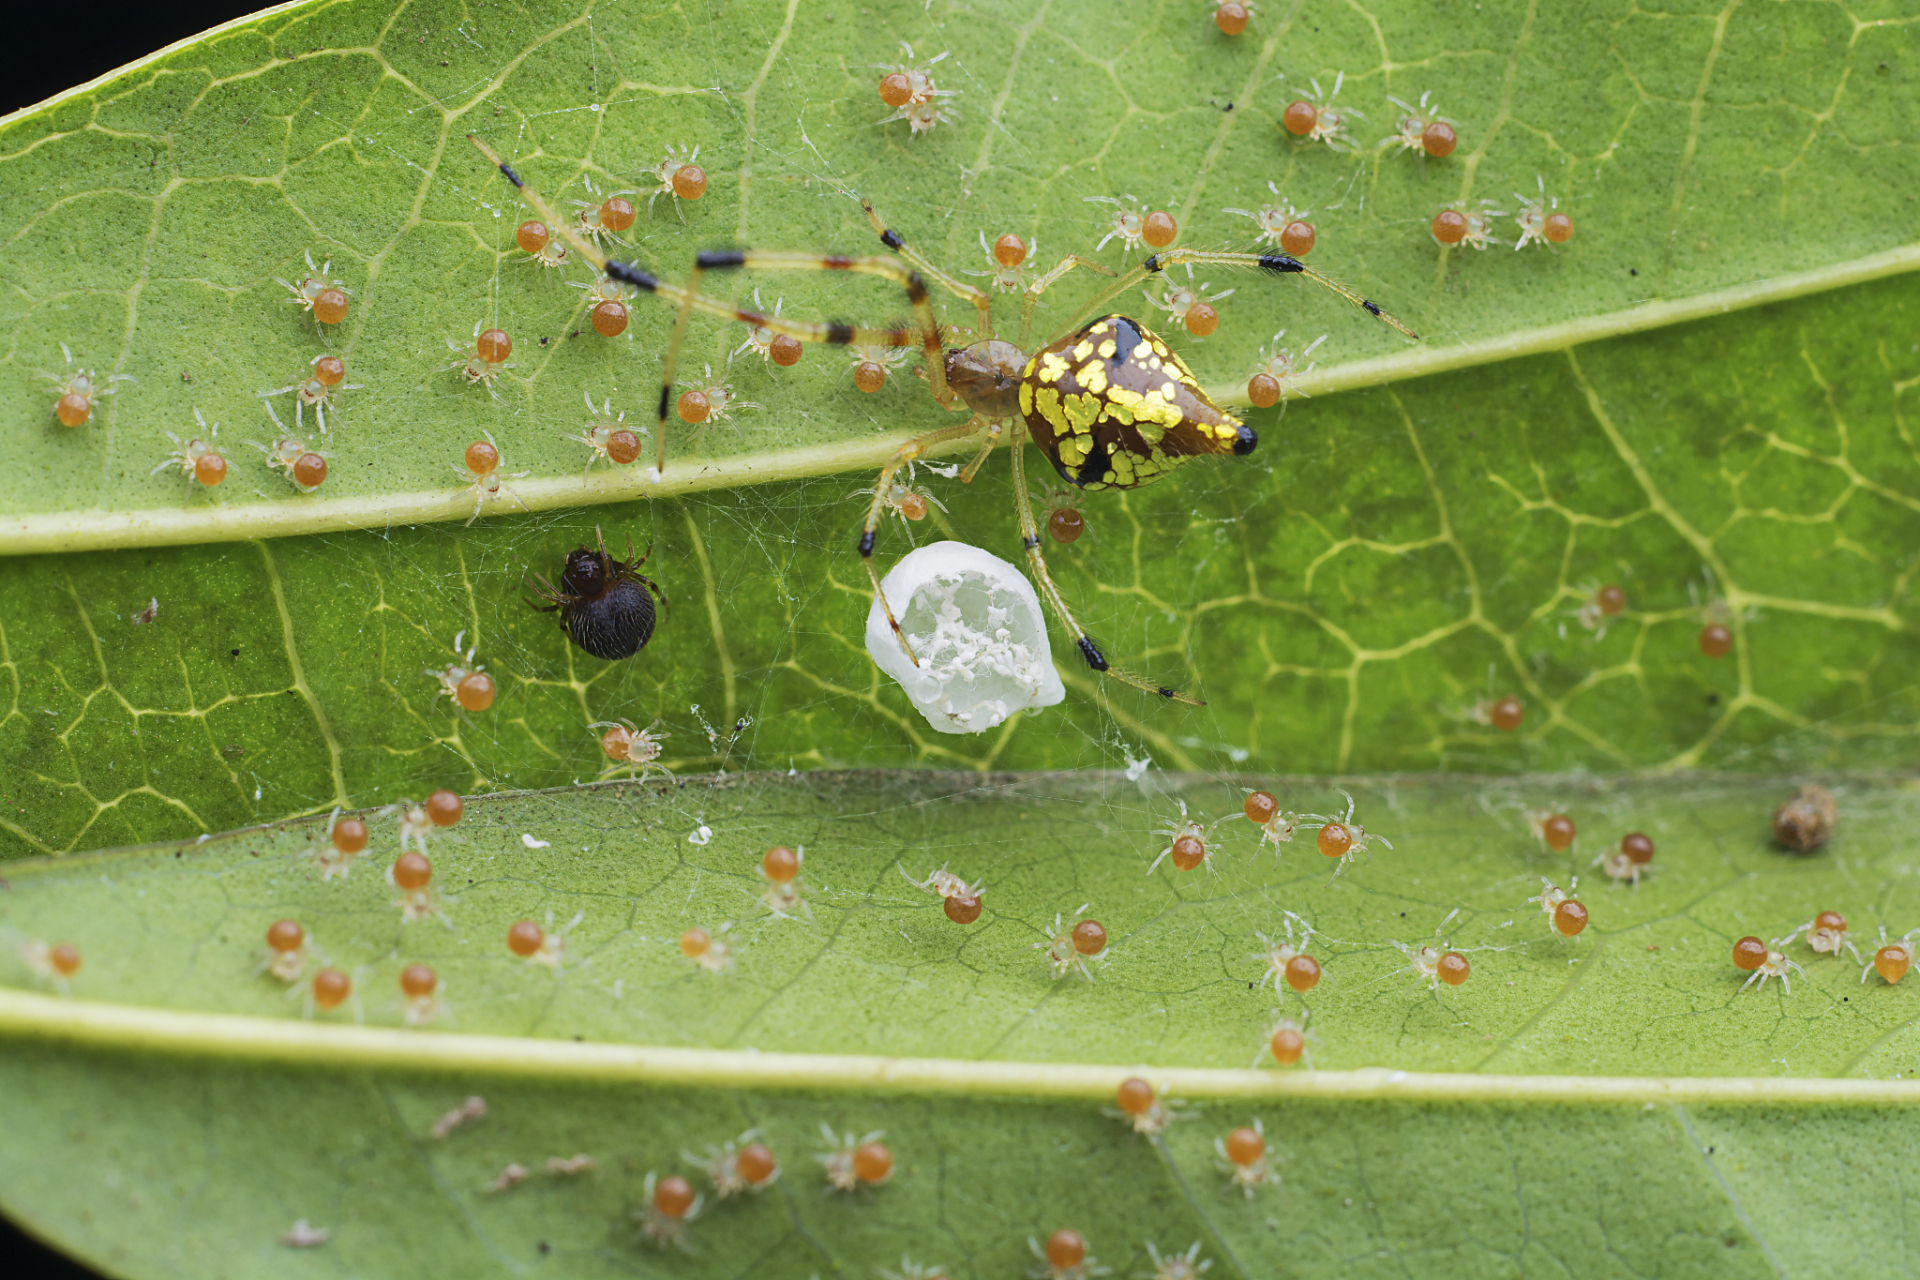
<point x="1803" y="823"/>
<point x="185" y="376"/>
<point x="1652" y="947"/>
<point x="574" y="334"/>
<point x="147" y="614"/>
<point x="233" y="751"/>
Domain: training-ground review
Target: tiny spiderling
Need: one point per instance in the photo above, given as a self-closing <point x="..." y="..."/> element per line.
<point x="1069" y="949"/>
<point x="1187" y="844"/>
<point x="1762" y="961"/>
<point x="742" y="1164"/>
<point x="1630" y="861"/>
<point x="1193" y="307"/>
<point x="784" y="895"/>
<point x="910" y="91"/>
<point x="1243" y="1156"/>
<point x="606" y="435"/>
<point x="678" y="177"/>
<point x="1144" y="1108"/>
<point x="1554" y="830"/>
<point x="321" y="295"/>
<point x="543" y="248"/>
<point x="1287" y="961"/>
<point x="1472" y="227"/>
<point x="51" y="962"/>
<point x="607" y="216"/>
<point x="317" y="388"/>
<point x="1342" y="837"/>
<point x="1504" y="713"/>
<point x="1156" y="229"/>
<point x="1004" y="257"/>
<point x="421" y="992"/>
<point x="1891" y="959"/>
<point x="1179" y="1266"/>
<point x="200" y="460"/>
<point x="1232" y="16"/>
<point x="330" y="989"/>
<point x="1064" y="1257"/>
<point x="1537" y="224"/>
<point x="712" y="402"/>
<point x="77" y="389"/>
<point x="482" y="462"/>
<point x="1565" y="915"/>
<point x="704" y="949"/>
<point x="547" y="946"/>
<point x="286" y="950"/>
<point x="851" y="1163"/>
<point x="482" y="359"/>
<point x="1275" y="377"/>
<point x="1826" y="935"/>
<point x="1432" y="963"/>
<point x="411" y="874"/>
<point x="1422" y="130"/>
<point x="1065" y="523"/>
<point x="871" y="363"/>
<point x="1316" y="119"/>
<point x="346" y="841"/>
<point x="630" y="747"/>
<point x="671" y="1203"/>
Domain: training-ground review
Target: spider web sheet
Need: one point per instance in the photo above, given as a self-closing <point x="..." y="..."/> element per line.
<point x="1344" y="599"/>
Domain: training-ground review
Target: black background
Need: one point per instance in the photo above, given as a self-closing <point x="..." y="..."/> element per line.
<point x="55" y="49"/>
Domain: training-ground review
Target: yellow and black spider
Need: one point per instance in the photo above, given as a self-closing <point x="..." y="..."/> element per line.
<point x="1108" y="402"/>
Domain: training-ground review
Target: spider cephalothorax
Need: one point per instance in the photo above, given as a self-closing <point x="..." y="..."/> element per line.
<point x="605" y="604"/>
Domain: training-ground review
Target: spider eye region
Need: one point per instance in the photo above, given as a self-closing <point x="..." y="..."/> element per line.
<point x="586" y="573"/>
<point x="1113" y="407"/>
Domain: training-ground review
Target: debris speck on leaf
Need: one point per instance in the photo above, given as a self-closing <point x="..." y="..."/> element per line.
<point x="302" y="1236"/>
<point x="1803" y="823"/>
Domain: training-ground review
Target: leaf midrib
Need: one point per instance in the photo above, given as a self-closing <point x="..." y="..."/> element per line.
<point x="26" y="1015"/>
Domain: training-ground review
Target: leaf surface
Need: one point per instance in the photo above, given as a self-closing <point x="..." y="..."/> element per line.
<point x="1645" y="991"/>
<point x="149" y="215"/>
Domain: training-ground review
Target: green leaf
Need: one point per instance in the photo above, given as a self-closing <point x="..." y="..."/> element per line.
<point x="1344" y="599"/>
<point x="148" y="216"/>
<point x="987" y="1074"/>
<point x="1705" y="397"/>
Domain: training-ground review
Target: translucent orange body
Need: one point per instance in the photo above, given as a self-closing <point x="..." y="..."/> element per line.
<point x="1244" y="1146"/>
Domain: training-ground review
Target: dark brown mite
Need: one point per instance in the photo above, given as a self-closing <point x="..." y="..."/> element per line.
<point x="605" y="604"/>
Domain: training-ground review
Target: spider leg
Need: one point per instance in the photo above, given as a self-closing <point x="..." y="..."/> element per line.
<point x="1039" y="286"/>
<point x="689" y="299"/>
<point x="1030" y="537"/>
<point x="835" y="332"/>
<point x="1275" y="263"/>
<point x="958" y="288"/>
<point x="666" y="611"/>
<point x="905" y="454"/>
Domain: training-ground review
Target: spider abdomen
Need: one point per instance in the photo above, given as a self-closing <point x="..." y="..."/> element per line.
<point x="615" y="624"/>
<point x="1113" y="407"/>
